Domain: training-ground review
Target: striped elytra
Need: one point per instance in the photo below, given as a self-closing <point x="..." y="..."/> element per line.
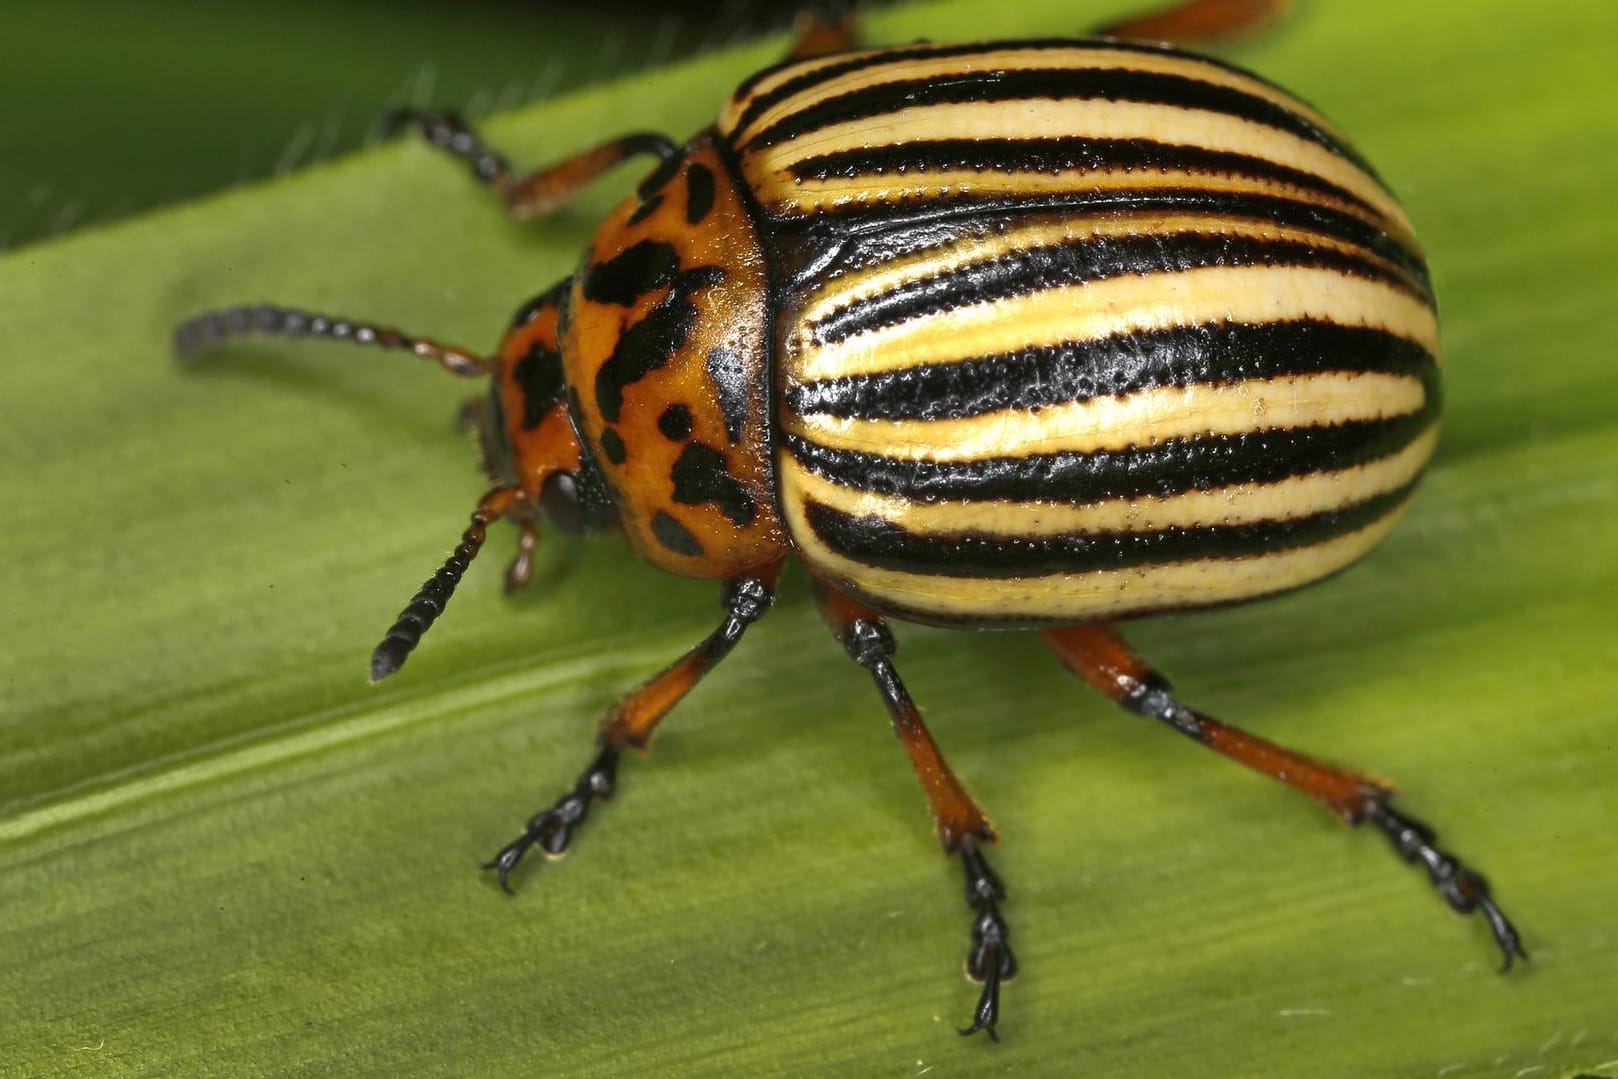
<point x="1076" y="330"/>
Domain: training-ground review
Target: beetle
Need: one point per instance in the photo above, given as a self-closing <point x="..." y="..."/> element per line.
<point x="1035" y="334"/>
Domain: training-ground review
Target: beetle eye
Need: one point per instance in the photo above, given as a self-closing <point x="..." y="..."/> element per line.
<point x="559" y="502"/>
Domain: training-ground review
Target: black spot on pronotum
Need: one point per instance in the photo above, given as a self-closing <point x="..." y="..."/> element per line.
<point x="700" y="475"/>
<point x="650" y="343"/>
<point x="730" y="379"/>
<point x="674" y="535"/>
<point x="699" y="195"/>
<point x="632" y="273"/>
<point x="539" y="374"/>
<point x="645" y="210"/>
<point x="613" y="446"/>
<point x="675" y="423"/>
<point x="659" y="176"/>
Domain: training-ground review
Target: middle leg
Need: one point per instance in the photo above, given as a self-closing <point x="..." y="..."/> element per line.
<point x="962" y="827"/>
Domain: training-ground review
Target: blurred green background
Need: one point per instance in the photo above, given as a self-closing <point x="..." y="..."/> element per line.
<point x="105" y="115"/>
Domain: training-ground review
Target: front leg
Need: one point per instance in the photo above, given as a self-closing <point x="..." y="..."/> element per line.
<point x="632" y="720"/>
<point x="540" y="191"/>
<point x="962" y="827"/>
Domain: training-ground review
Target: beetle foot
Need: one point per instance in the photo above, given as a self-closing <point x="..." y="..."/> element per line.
<point x="989" y="960"/>
<point x="552" y="830"/>
<point x="1464" y="890"/>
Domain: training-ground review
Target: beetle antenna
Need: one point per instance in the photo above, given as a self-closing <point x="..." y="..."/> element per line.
<point x="429" y="601"/>
<point x="214" y="327"/>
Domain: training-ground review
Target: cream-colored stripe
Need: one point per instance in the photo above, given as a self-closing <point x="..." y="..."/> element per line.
<point x="841" y="291"/>
<point x="1086" y="312"/>
<point x="1081" y="597"/>
<point x="1013" y="60"/>
<point x="792" y="199"/>
<point x="768" y="169"/>
<point x="1125" y="421"/>
<point x="1244" y="503"/>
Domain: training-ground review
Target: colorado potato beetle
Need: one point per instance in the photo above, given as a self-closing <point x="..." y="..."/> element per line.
<point x="1026" y="334"/>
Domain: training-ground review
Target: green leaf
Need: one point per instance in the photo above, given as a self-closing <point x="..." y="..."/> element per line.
<point x="221" y="853"/>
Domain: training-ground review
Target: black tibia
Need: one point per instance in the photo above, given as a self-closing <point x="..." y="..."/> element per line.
<point x="552" y="830"/>
<point x="1464" y="890"/>
<point x="631" y="722"/>
<point x="990" y="960"/>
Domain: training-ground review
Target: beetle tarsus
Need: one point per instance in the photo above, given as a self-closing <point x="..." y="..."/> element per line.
<point x="552" y="830"/>
<point x="1463" y="889"/>
<point x="990" y="959"/>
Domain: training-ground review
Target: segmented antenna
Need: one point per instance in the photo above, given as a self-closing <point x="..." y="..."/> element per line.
<point x="267" y="320"/>
<point x="429" y="602"/>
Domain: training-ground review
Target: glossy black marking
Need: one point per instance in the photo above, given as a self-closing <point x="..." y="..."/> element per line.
<point x="612" y="447"/>
<point x="674" y="535"/>
<point x="878" y="58"/>
<point x="856" y="235"/>
<point x="732" y="383"/>
<point x="653" y="341"/>
<point x="1057" y="155"/>
<point x="1167" y="468"/>
<point x="539" y="375"/>
<point x="875" y="541"/>
<point x="1116" y="364"/>
<point x="1025" y="270"/>
<point x="1069" y="84"/>
<point x="699" y="196"/>
<point x="632" y="273"/>
<point x="701" y="475"/>
<point x="644" y="210"/>
<point x="675" y="423"/>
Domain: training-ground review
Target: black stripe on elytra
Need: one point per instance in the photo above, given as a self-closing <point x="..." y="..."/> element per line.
<point x="674" y="535"/>
<point x="1212" y="353"/>
<point x="878" y="542"/>
<point x="1170" y="467"/>
<point x="1061" y="154"/>
<point x="1026" y="270"/>
<point x="879" y="58"/>
<point x="1061" y="84"/>
<point x="539" y="375"/>
<point x="699" y="192"/>
<point x="651" y="342"/>
<point x="701" y="475"/>
<point x="849" y="237"/>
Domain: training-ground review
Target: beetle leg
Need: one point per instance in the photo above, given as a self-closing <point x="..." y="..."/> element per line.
<point x="1099" y="656"/>
<point x="540" y="191"/>
<point x="822" y="29"/>
<point x="630" y="723"/>
<point x="962" y="827"/>
<point x="1198" y="22"/>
